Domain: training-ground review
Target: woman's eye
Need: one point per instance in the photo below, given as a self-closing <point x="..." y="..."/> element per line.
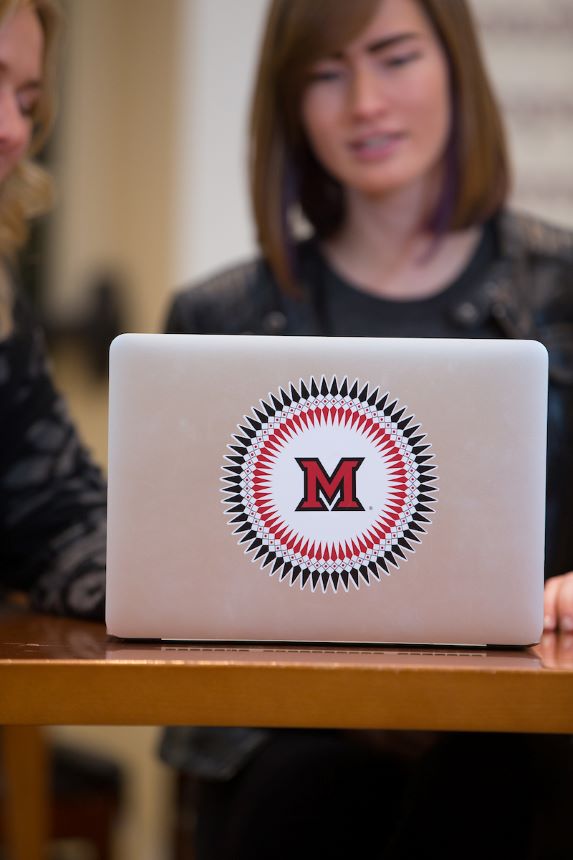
<point x="397" y="60"/>
<point x="27" y="108"/>
<point x="27" y="98"/>
<point x="323" y="75"/>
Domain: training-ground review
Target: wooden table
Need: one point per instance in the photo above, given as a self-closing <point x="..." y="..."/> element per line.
<point x="56" y="671"/>
<point x="64" y="672"/>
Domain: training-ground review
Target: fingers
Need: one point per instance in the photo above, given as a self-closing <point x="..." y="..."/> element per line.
<point x="556" y="650"/>
<point x="558" y="603"/>
<point x="550" y="603"/>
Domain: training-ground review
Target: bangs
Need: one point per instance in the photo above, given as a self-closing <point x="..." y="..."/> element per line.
<point x="313" y="31"/>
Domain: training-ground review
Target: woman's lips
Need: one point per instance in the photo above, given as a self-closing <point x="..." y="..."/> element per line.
<point x="374" y="147"/>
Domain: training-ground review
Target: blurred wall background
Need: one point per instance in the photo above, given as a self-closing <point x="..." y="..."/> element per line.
<point x="149" y="157"/>
<point x="115" y="152"/>
<point x="528" y="48"/>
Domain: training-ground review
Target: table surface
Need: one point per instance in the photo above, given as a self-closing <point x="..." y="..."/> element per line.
<point x="63" y="671"/>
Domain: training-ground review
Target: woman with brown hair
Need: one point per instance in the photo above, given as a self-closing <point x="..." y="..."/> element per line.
<point x="375" y="130"/>
<point x="375" y="125"/>
<point x="52" y="497"/>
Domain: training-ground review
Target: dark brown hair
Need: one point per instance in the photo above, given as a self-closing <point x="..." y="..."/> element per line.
<point x="283" y="170"/>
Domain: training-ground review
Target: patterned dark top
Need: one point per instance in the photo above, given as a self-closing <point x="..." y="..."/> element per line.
<point x="52" y="496"/>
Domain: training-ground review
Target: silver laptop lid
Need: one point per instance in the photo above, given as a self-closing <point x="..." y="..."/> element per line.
<point x="324" y="489"/>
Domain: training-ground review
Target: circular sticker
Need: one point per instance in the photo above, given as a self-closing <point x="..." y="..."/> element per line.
<point x="330" y="484"/>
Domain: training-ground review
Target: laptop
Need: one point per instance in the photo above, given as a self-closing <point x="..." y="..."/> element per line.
<point x="326" y="490"/>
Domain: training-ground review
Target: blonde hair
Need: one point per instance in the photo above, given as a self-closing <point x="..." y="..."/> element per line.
<point x="28" y="191"/>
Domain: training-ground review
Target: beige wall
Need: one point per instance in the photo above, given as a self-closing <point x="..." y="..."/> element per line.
<point x="213" y="224"/>
<point x="529" y="48"/>
<point x="115" y="162"/>
<point x="150" y="150"/>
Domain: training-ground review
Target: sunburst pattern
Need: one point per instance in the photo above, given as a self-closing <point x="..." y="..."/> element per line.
<point x="330" y="549"/>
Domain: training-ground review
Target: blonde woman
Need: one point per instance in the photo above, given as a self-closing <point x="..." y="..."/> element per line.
<point x="52" y="497"/>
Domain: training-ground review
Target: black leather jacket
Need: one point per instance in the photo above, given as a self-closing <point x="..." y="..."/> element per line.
<point x="528" y="293"/>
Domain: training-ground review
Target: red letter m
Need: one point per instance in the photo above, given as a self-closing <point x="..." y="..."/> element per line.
<point x="321" y="488"/>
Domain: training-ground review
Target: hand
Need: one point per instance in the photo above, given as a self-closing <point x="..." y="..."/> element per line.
<point x="558" y="603"/>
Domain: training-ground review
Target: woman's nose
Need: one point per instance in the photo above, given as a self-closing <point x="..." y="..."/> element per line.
<point x="15" y="127"/>
<point x="367" y="94"/>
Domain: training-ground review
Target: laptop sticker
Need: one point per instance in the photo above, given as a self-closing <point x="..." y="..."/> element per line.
<point x="329" y="485"/>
